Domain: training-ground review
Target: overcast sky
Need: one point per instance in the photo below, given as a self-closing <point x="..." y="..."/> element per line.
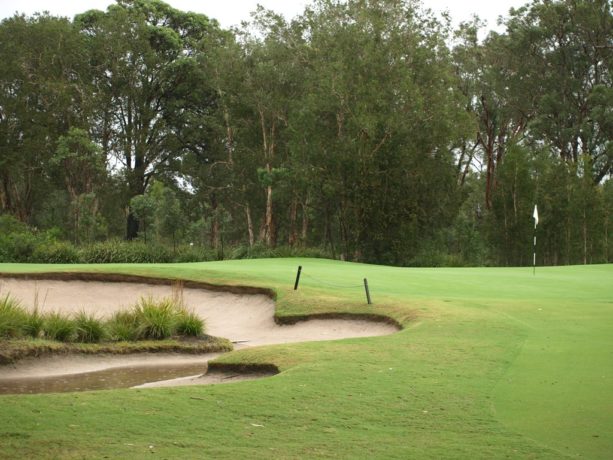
<point x="232" y="12"/>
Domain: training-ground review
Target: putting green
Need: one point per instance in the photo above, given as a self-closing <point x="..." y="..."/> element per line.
<point x="494" y="362"/>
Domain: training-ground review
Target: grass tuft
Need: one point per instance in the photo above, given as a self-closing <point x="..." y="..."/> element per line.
<point x="156" y="319"/>
<point x="13" y="318"/>
<point x="58" y="327"/>
<point x="34" y="324"/>
<point x="189" y="324"/>
<point x="89" y="329"/>
<point x="123" y="326"/>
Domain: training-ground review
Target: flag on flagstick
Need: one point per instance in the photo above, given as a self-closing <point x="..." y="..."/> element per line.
<point x="535" y="214"/>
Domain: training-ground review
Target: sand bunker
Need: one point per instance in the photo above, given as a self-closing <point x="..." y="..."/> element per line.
<point x="246" y="320"/>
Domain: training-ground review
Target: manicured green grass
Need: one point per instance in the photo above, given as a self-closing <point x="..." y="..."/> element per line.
<point x="493" y="363"/>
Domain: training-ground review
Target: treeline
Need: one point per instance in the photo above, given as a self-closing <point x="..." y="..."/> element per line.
<point x="367" y="130"/>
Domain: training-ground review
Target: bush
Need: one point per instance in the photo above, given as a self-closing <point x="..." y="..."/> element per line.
<point x="18" y="247"/>
<point x="115" y="251"/>
<point x="194" y="254"/>
<point x="13" y="318"/>
<point x="55" y="252"/>
<point x="58" y="327"/>
<point x="88" y="328"/>
<point x="260" y="251"/>
<point x="189" y="324"/>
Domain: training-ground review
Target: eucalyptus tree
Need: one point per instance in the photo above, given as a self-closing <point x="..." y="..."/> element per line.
<point x="43" y="93"/>
<point x="378" y="120"/>
<point x="497" y="90"/>
<point x="143" y="53"/>
<point x="271" y="86"/>
<point x="567" y="48"/>
<point x="80" y="163"/>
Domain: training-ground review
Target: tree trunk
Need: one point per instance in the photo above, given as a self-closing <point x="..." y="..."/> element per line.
<point x="293" y="215"/>
<point x="214" y="223"/>
<point x="305" y="221"/>
<point x="249" y="225"/>
<point x="131" y="226"/>
<point x="268" y="222"/>
<point x="584" y="238"/>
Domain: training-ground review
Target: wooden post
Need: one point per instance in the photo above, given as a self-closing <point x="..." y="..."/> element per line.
<point x="367" y="291"/>
<point x="297" y="277"/>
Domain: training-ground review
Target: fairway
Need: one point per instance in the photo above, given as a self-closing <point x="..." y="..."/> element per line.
<point x="491" y="363"/>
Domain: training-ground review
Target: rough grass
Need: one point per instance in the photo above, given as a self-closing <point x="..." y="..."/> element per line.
<point x="493" y="363"/>
<point x="16" y="349"/>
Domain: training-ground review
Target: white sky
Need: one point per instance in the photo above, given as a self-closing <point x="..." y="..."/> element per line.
<point x="232" y="12"/>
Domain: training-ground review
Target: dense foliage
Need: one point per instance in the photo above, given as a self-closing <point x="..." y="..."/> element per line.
<point x="366" y="130"/>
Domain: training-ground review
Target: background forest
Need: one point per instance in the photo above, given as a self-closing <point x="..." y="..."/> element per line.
<point x="365" y="130"/>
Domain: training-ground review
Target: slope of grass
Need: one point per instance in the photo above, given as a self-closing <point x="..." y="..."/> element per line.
<point x="493" y="363"/>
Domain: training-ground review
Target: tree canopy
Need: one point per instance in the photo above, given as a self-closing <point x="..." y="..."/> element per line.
<point x="368" y="129"/>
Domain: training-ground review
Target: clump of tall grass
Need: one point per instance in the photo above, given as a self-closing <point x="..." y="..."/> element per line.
<point x="58" y="327"/>
<point x="148" y="319"/>
<point x="13" y="318"/>
<point x="88" y="328"/>
<point x="189" y="324"/>
<point x="156" y="319"/>
<point x="35" y="322"/>
<point x="123" y="326"/>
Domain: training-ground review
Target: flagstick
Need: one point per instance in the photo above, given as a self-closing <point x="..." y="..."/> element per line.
<point x="534" y="252"/>
<point x="535" y="216"/>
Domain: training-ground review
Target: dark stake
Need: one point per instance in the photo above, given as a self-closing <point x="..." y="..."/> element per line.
<point x="297" y="277"/>
<point x="367" y="291"/>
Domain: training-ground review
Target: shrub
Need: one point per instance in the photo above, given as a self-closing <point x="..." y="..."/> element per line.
<point x="18" y="247"/>
<point x="123" y="326"/>
<point x="88" y="328"/>
<point x="13" y="318"/>
<point x="115" y="251"/>
<point x="58" y="327"/>
<point x="156" y="320"/>
<point x="260" y="251"/>
<point x="55" y="252"/>
<point x="189" y="324"/>
<point x="193" y="254"/>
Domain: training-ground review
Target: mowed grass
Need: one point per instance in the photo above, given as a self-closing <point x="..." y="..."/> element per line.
<point x="492" y="363"/>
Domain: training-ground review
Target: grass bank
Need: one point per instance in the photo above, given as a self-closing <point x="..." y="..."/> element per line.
<point x="492" y="363"/>
<point x="16" y="349"/>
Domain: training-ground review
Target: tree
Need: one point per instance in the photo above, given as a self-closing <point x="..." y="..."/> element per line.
<point x="564" y="47"/>
<point x="143" y="51"/>
<point x="144" y="208"/>
<point x="376" y="123"/>
<point x="43" y="93"/>
<point x="169" y="215"/>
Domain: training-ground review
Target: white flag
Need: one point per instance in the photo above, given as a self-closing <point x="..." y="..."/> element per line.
<point x="535" y="214"/>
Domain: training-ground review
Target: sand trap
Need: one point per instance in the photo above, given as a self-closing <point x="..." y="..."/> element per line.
<point x="246" y="320"/>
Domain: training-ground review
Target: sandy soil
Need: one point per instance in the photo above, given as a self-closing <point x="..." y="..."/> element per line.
<point x="246" y="320"/>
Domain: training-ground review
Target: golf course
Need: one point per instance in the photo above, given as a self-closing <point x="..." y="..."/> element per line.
<point x="489" y="363"/>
